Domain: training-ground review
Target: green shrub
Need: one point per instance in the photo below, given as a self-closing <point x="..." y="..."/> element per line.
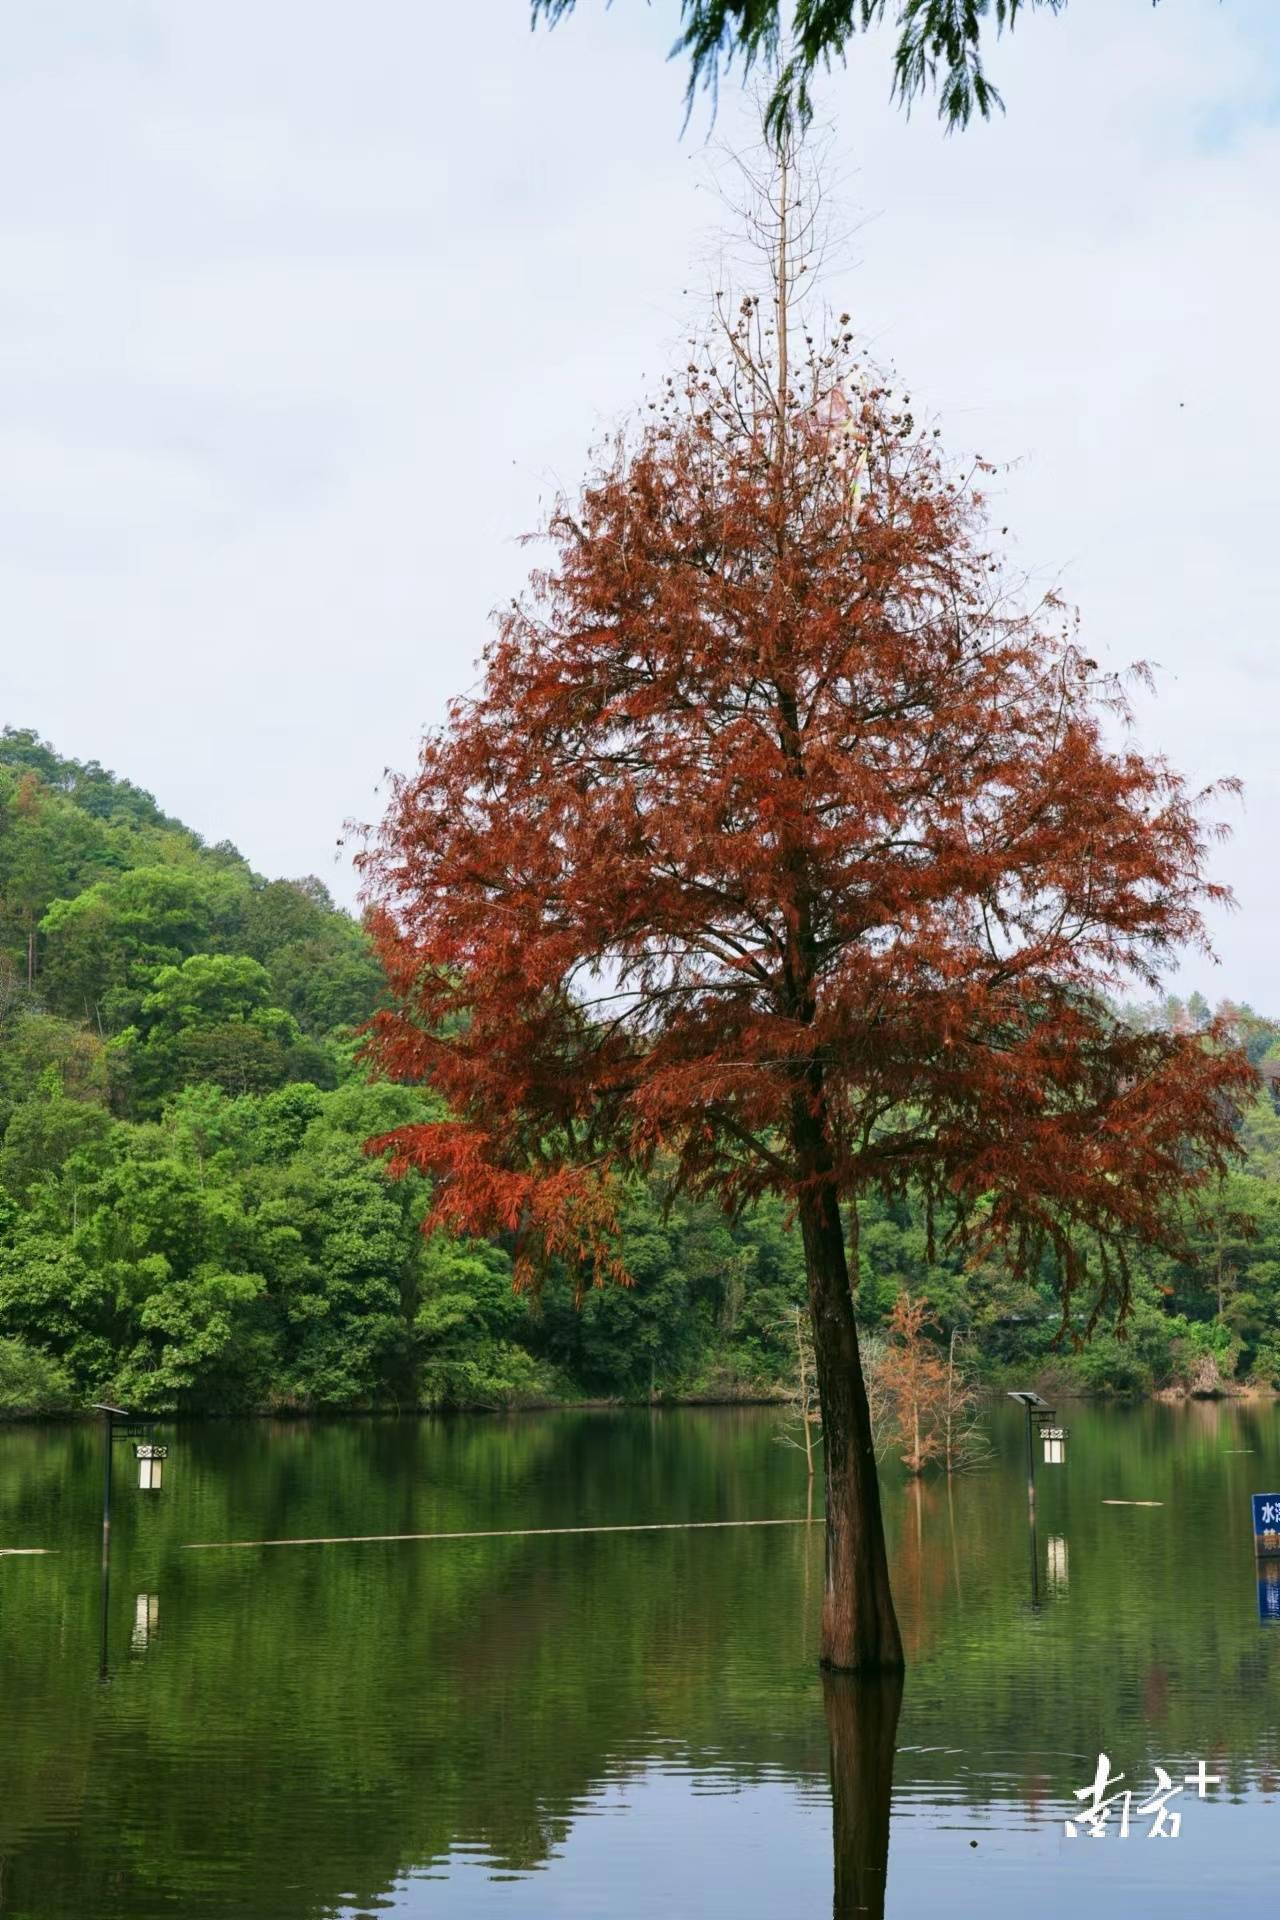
<point x="1205" y="1355"/>
<point x="1266" y="1364"/>
<point x="1110" y="1366"/>
<point x="31" y="1382"/>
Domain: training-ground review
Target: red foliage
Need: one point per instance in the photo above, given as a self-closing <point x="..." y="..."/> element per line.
<point x="783" y="839"/>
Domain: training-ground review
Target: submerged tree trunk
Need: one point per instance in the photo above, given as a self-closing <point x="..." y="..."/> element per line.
<point x="859" y="1626"/>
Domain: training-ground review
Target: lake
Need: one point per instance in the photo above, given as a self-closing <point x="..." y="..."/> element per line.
<point x="621" y="1724"/>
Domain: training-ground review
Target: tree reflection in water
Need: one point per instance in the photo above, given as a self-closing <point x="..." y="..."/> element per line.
<point x="862" y="1726"/>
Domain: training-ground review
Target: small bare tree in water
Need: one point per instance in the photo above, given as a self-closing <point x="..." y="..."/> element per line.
<point x="804" y="1408"/>
<point x="803" y="1402"/>
<point x="964" y="1441"/>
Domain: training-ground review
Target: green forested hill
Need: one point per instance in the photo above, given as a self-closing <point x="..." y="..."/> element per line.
<point x="120" y="924"/>
<point x="188" y="1218"/>
<point x="189" y="1221"/>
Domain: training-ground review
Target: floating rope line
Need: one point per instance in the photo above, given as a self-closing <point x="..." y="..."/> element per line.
<point x="1133" y="1503"/>
<point x="502" y="1533"/>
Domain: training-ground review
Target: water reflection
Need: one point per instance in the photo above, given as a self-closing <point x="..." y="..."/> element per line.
<point x="104" y="1611"/>
<point x="146" y="1617"/>
<point x="1269" y="1592"/>
<point x="618" y="1725"/>
<point x="1057" y="1557"/>
<point x="862" y="1725"/>
<point x="1034" y="1551"/>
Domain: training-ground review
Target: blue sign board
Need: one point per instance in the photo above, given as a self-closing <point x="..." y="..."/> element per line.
<point x="1266" y="1523"/>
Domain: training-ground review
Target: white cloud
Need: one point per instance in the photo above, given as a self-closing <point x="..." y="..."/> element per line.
<point x="304" y="309"/>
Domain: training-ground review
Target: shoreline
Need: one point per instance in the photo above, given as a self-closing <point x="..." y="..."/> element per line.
<point x="1162" y="1396"/>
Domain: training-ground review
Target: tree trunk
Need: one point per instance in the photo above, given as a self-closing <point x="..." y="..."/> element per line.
<point x="862" y="1722"/>
<point x="859" y="1626"/>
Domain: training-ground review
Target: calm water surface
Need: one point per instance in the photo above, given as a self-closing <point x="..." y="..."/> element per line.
<point x="618" y="1725"/>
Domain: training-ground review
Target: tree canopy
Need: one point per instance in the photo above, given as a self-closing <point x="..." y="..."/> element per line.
<point x="940" y="46"/>
<point x="773" y="791"/>
<point x="786" y="842"/>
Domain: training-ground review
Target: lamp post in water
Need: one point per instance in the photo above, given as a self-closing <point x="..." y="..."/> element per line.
<point x="110" y="1415"/>
<point x="1039" y="1415"/>
<point x="151" y="1460"/>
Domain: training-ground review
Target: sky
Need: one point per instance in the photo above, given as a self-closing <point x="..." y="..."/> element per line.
<point x="308" y="309"/>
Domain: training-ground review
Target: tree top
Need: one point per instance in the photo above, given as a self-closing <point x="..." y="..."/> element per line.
<point x="939" y="47"/>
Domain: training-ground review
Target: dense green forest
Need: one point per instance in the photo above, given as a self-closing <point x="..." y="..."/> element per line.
<point x="189" y="1219"/>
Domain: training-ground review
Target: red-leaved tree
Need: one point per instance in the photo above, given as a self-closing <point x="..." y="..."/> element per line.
<point x="783" y="841"/>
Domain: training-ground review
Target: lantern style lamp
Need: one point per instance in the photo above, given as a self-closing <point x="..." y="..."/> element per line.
<point x="1055" y="1445"/>
<point x="151" y="1461"/>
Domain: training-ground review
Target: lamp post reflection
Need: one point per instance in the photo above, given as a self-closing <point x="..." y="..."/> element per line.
<point x="146" y="1615"/>
<point x="1035" y="1559"/>
<point x="862" y="1726"/>
<point x="1056" y="1550"/>
<point x="104" y="1604"/>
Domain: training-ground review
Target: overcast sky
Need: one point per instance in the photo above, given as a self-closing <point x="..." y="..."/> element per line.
<point x="306" y="308"/>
